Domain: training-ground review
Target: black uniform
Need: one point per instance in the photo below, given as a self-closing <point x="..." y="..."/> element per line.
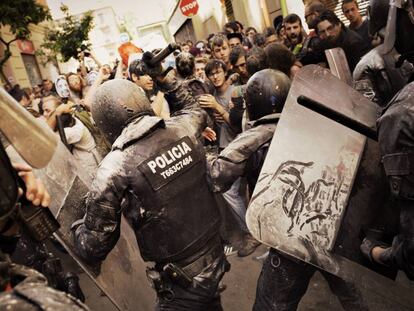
<point x="396" y="140"/>
<point x="33" y="294"/>
<point x="284" y="279"/>
<point x="156" y="176"/>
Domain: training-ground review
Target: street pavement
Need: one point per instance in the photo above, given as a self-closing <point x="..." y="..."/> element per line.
<point x="241" y="287"/>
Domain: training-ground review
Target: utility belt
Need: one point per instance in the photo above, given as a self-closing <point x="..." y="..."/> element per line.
<point x="163" y="275"/>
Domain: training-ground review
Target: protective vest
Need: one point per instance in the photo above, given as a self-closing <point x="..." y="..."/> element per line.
<point x="178" y="213"/>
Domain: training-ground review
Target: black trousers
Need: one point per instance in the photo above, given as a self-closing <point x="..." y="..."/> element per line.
<point x="283" y="282"/>
<point x="401" y="254"/>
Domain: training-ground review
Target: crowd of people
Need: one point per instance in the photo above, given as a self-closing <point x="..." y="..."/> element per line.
<point x="212" y="97"/>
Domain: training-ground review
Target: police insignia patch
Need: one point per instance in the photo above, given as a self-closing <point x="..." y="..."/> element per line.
<point x="169" y="163"/>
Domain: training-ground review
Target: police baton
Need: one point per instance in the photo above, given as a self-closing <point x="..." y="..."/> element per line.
<point x="61" y="130"/>
<point x="338" y="117"/>
<point x="157" y="59"/>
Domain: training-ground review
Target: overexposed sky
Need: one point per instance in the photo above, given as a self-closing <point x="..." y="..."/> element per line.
<point x="144" y="11"/>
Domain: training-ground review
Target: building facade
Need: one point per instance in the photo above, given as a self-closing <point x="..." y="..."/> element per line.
<point x="213" y="14"/>
<point x="24" y="67"/>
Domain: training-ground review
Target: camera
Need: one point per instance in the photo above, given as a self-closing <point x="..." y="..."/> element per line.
<point x="85" y="50"/>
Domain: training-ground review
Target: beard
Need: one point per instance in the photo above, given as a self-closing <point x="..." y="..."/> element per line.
<point x="295" y="39"/>
<point x="329" y="43"/>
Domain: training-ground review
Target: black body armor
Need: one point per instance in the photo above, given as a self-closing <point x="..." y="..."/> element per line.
<point x="156" y="176"/>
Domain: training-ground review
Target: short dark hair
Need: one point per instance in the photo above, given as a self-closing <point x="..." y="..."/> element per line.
<point x="239" y="24"/>
<point x="215" y="64"/>
<point x="236" y="53"/>
<point x="17" y="93"/>
<point x="279" y="57"/>
<point x="251" y="28"/>
<point x="232" y="25"/>
<point x="277" y="21"/>
<point x="329" y="16"/>
<point x="269" y="31"/>
<point x="218" y="40"/>
<point x="259" y="39"/>
<point x="292" y="18"/>
<point x="237" y="35"/>
<point x="349" y="1"/>
<point x="136" y="68"/>
<point x="316" y="7"/>
<point x="256" y="60"/>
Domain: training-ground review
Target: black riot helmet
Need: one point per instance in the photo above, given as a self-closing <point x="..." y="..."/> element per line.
<point x="266" y="93"/>
<point x="397" y="16"/>
<point x="185" y="64"/>
<point x="115" y="104"/>
<point x="377" y="15"/>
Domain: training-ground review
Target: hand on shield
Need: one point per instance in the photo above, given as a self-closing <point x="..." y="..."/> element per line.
<point x="35" y="189"/>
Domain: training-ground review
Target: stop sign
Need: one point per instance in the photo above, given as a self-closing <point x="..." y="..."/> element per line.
<point x="189" y="7"/>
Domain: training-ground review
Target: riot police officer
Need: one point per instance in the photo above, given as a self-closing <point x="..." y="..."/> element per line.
<point x="156" y="176"/>
<point x="23" y="288"/>
<point x="378" y="75"/>
<point x="395" y="128"/>
<point x="283" y="280"/>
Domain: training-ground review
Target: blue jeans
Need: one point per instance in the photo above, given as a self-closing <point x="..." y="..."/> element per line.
<point x="237" y="203"/>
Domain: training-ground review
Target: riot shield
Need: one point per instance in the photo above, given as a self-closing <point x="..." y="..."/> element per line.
<point x="122" y="275"/>
<point x="321" y="186"/>
<point x="34" y="141"/>
<point x="338" y="65"/>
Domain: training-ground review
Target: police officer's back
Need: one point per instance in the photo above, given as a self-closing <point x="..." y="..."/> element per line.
<point x="156" y="176"/>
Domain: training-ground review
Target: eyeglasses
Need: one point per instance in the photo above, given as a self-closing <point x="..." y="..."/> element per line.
<point x="326" y="32"/>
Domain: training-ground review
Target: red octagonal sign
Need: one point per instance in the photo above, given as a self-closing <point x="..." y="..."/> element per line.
<point x="189" y="7"/>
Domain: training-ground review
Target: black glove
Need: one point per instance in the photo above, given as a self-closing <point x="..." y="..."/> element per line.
<point x="72" y="287"/>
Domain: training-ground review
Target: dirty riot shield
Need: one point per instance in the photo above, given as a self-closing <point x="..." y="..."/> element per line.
<point x="338" y="64"/>
<point x="122" y="275"/>
<point x="321" y="188"/>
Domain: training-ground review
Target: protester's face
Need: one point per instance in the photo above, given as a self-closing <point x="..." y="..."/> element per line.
<point x="217" y="77"/>
<point x="328" y="31"/>
<point x="49" y="107"/>
<point x="294" y="32"/>
<point x="222" y="52"/>
<point x="75" y="83"/>
<point x="185" y="48"/>
<point x="234" y="42"/>
<point x="47" y="85"/>
<point x="251" y="33"/>
<point x="25" y="101"/>
<point x="62" y="88"/>
<point x="200" y="70"/>
<point x="310" y="17"/>
<point x="351" y="12"/>
<point x="240" y="67"/>
<point x="145" y="82"/>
